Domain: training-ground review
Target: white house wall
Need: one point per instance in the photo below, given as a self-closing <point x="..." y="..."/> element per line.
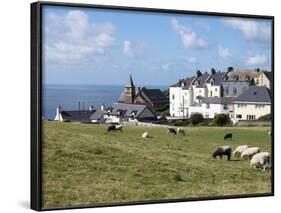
<point x="181" y="99"/>
<point x="213" y="91"/>
<point x="212" y="111"/>
<point x="250" y="109"/>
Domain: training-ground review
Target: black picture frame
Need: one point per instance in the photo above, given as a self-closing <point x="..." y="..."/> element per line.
<point x="36" y="100"/>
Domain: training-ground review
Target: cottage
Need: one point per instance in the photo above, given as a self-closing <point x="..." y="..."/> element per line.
<point x="252" y="104"/>
<point x="74" y="115"/>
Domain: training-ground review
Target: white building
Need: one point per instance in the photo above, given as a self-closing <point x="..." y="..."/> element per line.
<point x="189" y="93"/>
<point x="211" y="106"/>
<point x="252" y="104"/>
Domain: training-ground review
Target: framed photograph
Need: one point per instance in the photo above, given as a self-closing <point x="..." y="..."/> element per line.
<point x="141" y="105"/>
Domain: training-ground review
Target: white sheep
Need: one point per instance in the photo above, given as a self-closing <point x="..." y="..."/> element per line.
<point x="180" y="131"/>
<point x="146" y="135"/>
<point x="119" y="127"/>
<point x="269" y="133"/>
<point x="260" y="160"/>
<point x="248" y="153"/>
<point x="239" y="150"/>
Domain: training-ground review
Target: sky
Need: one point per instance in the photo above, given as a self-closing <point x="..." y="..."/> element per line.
<point x="103" y="46"/>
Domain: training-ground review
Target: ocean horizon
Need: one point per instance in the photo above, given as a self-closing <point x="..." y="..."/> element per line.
<point x="68" y="96"/>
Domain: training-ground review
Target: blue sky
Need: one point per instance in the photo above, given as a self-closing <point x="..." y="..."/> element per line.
<point x="97" y="46"/>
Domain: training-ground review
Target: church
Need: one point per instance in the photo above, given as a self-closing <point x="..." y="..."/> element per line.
<point x="153" y="98"/>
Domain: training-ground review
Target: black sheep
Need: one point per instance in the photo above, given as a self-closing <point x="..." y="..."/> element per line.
<point x="228" y="136"/>
<point x="172" y="131"/>
<point x="111" y="128"/>
<point x="223" y="150"/>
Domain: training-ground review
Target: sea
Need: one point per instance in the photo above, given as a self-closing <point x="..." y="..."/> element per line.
<point x="69" y="97"/>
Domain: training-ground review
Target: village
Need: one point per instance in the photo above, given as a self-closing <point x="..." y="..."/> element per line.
<point x="242" y="95"/>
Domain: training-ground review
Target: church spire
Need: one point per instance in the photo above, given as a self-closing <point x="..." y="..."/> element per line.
<point x="130" y="82"/>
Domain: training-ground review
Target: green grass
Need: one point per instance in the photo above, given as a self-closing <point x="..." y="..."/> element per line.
<point x="83" y="164"/>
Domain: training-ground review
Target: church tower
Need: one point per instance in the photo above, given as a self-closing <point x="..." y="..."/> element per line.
<point x="129" y="91"/>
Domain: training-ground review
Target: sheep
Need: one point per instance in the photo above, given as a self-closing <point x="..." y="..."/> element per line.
<point x="180" y="131"/>
<point x="172" y="131"/>
<point x="222" y="150"/>
<point x="239" y="150"/>
<point x="261" y="159"/>
<point x="248" y="153"/>
<point x="146" y="135"/>
<point x="228" y="136"/>
<point x="119" y="127"/>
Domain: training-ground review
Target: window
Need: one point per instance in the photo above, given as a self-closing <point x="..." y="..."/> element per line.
<point x="242" y="105"/>
<point x="251" y="117"/>
<point x="234" y="91"/>
<point x="211" y="94"/>
<point x="216" y="89"/>
<point x="200" y="91"/>
<point x="239" y="116"/>
<point x="173" y="97"/>
<point x="226" y="91"/>
<point x="225" y="107"/>
<point x="207" y="106"/>
<point x="207" y="115"/>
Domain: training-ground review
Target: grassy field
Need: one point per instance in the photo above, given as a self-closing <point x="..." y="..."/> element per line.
<point x="83" y="164"/>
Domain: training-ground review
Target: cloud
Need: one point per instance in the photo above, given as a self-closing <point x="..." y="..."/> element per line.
<point x="73" y="37"/>
<point x="256" y="60"/>
<point x="189" y="38"/>
<point x="224" y="53"/>
<point x="251" y="30"/>
<point x="133" y="48"/>
<point x="192" y="60"/>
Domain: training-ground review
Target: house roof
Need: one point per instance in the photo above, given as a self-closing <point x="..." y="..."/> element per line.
<point x="97" y="114"/>
<point x="255" y="94"/>
<point x="217" y="100"/>
<point x="242" y="75"/>
<point x="154" y="95"/>
<point x="77" y="115"/>
<point x="201" y="80"/>
<point x="128" y="109"/>
<point x="217" y="78"/>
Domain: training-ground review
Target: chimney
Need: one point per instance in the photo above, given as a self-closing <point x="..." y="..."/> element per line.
<point x="58" y="114"/>
<point x="213" y="71"/>
<point x="258" y="69"/>
<point x="230" y="69"/>
<point x="198" y="73"/>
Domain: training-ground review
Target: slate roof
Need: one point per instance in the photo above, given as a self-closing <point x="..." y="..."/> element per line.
<point x="97" y="114"/>
<point x="217" y="77"/>
<point x="242" y="75"/>
<point x="201" y="80"/>
<point x="128" y="109"/>
<point x="77" y="115"/>
<point x="187" y="82"/>
<point x="255" y="94"/>
<point x="154" y="95"/>
<point x="217" y="100"/>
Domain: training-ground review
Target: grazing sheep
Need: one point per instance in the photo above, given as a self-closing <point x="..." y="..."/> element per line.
<point x="172" y="131"/>
<point x="261" y="159"/>
<point x="180" y="131"/>
<point x="222" y="150"/>
<point x="146" y="135"/>
<point x="119" y="127"/>
<point x="111" y="128"/>
<point x="228" y="136"/>
<point x="248" y="153"/>
<point x="239" y="150"/>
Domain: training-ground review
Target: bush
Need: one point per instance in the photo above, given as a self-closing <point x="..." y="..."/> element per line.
<point x="266" y="117"/>
<point x="196" y="119"/>
<point x="179" y="122"/>
<point x="221" y="119"/>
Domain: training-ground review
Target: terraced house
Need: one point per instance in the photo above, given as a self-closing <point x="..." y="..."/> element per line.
<point x="219" y="92"/>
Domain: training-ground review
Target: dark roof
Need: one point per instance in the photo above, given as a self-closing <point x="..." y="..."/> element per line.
<point x="217" y="100"/>
<point x="154" y="95"/>
<point x="129" y="108"/>
<point x="217" y="78"/>
<point x="187" y="82"/>
<point x="122" y="97"/>
<point x="201" y="80"/>
<point x="255" y="94"/>
<point x="242" y="75"/>
<point x="77" y="115"/>
<point x="97" y="114"/>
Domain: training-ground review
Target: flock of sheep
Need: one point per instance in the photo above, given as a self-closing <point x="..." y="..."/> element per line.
<point x="257" y="159"/>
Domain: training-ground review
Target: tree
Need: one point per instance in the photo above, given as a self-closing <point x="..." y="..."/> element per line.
<point x="221" y="119"/>
<point x="196" y="118"/>
<point x="266" y="117"/>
